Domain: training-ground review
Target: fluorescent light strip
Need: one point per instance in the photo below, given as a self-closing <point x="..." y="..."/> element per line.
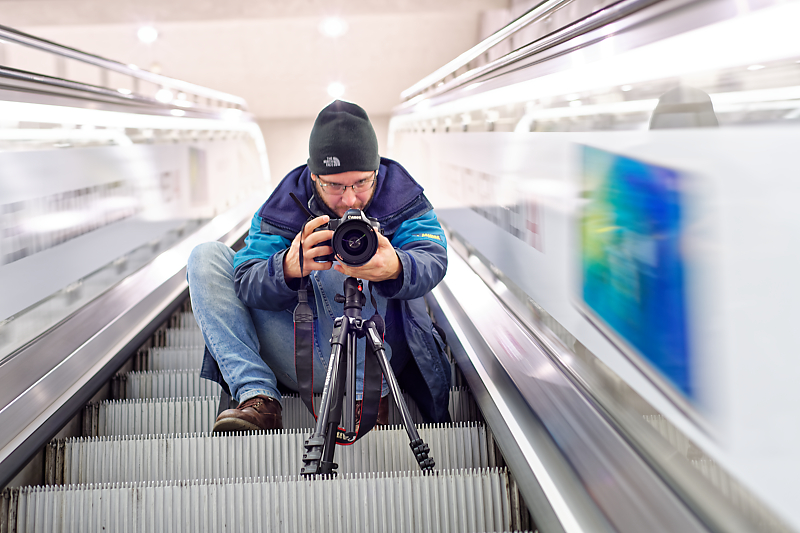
<point x="762" y="99"/>
<point x="51" y="114"/>
<point x="60" y="134"/>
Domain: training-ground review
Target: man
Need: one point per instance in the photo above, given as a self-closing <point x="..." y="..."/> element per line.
<point x="243" y="302"/>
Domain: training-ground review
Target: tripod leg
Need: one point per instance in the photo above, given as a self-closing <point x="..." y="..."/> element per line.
<point x="336" y="407"/>
<point x="419" y="447"/>
<point x="315" y="445"/>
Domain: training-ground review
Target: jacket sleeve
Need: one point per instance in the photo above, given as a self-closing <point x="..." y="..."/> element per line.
<point x="258" y="270"/>
<point x="420" y="244"/>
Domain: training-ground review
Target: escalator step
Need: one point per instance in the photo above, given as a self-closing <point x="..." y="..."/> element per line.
<point x="254" y="454"/>
<point x="169" y="358"/>
<point x="185" y="338"/>
<point x="157" y="416"/>
<point x="445" y="501"/>
<point x="188" y="383"/>
<point x="168" y="384"/>
<point x="186" y="320"/>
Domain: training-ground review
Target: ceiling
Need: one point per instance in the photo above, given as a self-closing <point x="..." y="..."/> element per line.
<point x="271" y="52"/>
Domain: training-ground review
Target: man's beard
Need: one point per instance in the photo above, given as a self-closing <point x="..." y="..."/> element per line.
<point x="341" y="209"/>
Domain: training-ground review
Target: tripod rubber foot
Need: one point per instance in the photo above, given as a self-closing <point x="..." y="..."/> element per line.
<point x="327" y="467"/>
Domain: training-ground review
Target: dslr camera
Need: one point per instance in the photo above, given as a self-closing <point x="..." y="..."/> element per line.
<point x="354" y="240"/>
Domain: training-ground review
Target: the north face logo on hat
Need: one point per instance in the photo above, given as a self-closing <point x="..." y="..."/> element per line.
<point x="331" y="161"/>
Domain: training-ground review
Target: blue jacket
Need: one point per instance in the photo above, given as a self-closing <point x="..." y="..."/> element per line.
<point x="408" y="221"/>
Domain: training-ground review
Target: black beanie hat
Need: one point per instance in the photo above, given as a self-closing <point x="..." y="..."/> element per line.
<point x="342" y="140"/>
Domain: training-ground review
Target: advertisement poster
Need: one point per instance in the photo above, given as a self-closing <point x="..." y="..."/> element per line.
<point x="632" y="269"/>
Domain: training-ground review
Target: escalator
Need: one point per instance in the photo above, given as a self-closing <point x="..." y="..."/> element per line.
<point x="148" y="458"/>
<point x="107" y="424"/>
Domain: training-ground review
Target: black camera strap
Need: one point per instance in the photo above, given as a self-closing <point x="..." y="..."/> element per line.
<point x="303" y="317"/>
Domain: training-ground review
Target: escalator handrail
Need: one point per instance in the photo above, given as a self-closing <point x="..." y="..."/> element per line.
<point x="16" y="36"/>
<point x="437" y="83"/>
<point x="48" y="380"/>
<point x="534" y="14"/>
<point x="622" y="486"/>
<point x="96" y="90"/>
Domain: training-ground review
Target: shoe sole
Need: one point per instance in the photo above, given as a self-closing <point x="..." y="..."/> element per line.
<point x="235" y="424"/>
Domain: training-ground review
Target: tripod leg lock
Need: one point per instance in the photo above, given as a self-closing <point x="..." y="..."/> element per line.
<point x="313" y="456"/>
<point x="421" y="450"/>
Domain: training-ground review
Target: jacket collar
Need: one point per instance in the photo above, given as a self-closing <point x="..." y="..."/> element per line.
<point x="396" y="191"/>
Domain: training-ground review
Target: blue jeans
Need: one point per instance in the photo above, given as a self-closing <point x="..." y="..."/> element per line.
<point x="254" y="348"/>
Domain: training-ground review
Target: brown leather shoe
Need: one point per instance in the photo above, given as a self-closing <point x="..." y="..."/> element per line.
<point x="259" y="413"/>
<point x="383" y="411"/>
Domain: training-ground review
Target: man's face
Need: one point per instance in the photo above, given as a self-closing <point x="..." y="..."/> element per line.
<point x="329" y="190"/>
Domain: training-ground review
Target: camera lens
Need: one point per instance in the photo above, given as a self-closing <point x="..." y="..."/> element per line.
<point x="355" y="242"/>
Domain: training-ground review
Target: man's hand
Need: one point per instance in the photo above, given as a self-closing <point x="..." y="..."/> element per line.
<point x="384" y="264"/>
<point x="291" y="260"/>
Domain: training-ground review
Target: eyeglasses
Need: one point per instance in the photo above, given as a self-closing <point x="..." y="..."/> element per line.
<point x="336" y="189"/>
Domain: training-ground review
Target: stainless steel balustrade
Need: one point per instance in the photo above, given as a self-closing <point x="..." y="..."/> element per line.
<point x="464" y="69"/>
<point x="213" y="98"/>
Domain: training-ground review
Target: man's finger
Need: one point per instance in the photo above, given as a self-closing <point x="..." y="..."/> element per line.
<point x="317" y="251"/>
<point x="313" y="265"/>
<point x="317" y="237"/>
<point x="314" y="224"/>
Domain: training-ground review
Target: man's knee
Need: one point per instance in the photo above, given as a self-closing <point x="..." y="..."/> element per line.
<point x="207" y="258"/>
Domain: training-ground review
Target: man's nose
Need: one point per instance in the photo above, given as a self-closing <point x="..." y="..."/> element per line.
<point x="349" y="197"/>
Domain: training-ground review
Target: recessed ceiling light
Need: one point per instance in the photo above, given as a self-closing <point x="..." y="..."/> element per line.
<point x="755" y="67"/>
<point x="147" y="34"/>
<point x="164" y="95"/>
<point x="335" y="89"/>
<point x="177" y="112"/>
<point x="333" y="27"/>
<point x="626" y="88"/>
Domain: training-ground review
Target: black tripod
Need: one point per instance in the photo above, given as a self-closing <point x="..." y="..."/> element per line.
<point x="318" y="458"/>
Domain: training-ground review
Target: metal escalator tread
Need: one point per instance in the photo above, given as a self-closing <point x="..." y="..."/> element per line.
<point x="157" y="416"/>
<point x="446" y="501"/>
<point x="175" y="358"/>
<point x="168" y="384"/>
<point x="163" y="384"/>
<point x="253" y="454"/>
<point x="150" y="463"/>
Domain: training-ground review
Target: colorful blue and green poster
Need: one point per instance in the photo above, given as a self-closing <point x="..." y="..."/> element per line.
<point x="632" y="264"/>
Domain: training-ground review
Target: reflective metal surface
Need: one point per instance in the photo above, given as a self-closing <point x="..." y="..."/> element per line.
<point x="437" y="78"/>
<point x="625" y="489"/>
<point x="509" y="163"/>
<point x="37" y="381"/>
<point x="15" y="36"/>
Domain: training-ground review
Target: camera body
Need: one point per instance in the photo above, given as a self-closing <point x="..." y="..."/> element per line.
<point x="354" y="239"/>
